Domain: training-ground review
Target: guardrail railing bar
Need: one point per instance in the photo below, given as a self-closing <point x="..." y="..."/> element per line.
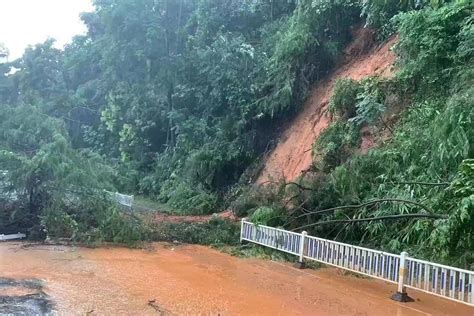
<point x="438" y="264"/>
<point x="12" y="236"/>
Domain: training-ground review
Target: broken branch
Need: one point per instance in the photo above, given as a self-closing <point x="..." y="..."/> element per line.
<point x="387" y="217"/>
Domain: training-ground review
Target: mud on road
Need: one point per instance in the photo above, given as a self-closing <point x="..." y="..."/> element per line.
<point x="176" y="280"/>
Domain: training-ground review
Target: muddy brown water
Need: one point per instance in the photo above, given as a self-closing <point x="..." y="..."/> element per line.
<point x="192" y="280"/>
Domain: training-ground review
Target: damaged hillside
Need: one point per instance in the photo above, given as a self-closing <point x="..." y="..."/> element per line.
<point x="350" y="119"/>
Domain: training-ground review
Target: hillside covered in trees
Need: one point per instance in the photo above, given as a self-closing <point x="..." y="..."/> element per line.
<point x="181" y="100"/>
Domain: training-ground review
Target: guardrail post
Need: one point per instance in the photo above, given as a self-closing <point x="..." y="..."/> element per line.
<point x="242" y="228"/>
<point x="401" y="295"/>
<point x="301" y="263"/>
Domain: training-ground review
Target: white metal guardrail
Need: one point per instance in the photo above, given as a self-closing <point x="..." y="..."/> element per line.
<point x="377" y="264"/>
<point x="12" y="237"/>
<point x="444" y="281"/>
<point x="272" y="237"/>
<point x="122" y="199"/>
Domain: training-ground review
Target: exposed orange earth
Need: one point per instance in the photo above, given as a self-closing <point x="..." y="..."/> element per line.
<point x="171" y="279"/>
<point x="292" y="154"/>
<point x="167" y="218"/>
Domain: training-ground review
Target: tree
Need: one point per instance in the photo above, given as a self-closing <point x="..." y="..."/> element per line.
<point x="41" y="170"/>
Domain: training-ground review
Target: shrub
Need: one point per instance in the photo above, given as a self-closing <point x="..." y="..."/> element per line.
<point x="215" y="232"/>
<point x="185" y="199"/>
<point x="453" y="237"/>
<point x="428" y="43"/>
<point x="92" y="219"/>
<point x="344" y="98"/>
<point x="370" y="102"/>
<point x="265" y="215"/>
<point x="246" y="202"/>
<point x="335" y="145"/>
<point x="59" y="224"/>
<point x="270" y="195"/>
<point x="379" y="12"/>
<point x="119" y="227"/>
<point x="369" y="110"/>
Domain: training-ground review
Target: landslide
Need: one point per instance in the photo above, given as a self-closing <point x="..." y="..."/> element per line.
<point x="293" y="153"/>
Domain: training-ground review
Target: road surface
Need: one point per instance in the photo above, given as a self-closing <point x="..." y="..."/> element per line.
<point x="173" y="279"/>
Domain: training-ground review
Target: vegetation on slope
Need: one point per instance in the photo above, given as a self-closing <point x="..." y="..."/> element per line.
<point x="414" y="191"/>
<point x="178" y="99"/>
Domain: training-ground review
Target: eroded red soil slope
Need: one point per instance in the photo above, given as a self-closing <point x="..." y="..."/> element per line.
<point x="292" y="155"/>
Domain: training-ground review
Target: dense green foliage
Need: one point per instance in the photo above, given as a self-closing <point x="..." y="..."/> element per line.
<point x="216" y="232"/>
<point x="182" y="96"/>
<point x="179" y="99"/>
<point x="336" y="145"/>
<point x="51" y="188"/>
<point x="344" y="98"/>
<point x="428" y="159"/>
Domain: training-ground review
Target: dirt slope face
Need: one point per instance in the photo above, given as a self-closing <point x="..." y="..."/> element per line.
<point x="292" y="155"/>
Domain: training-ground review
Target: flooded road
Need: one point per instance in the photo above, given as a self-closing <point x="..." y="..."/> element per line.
<point x="193" y="280"/>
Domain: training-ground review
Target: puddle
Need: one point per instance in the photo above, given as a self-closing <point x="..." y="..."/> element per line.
<point x="23" y="297"/>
